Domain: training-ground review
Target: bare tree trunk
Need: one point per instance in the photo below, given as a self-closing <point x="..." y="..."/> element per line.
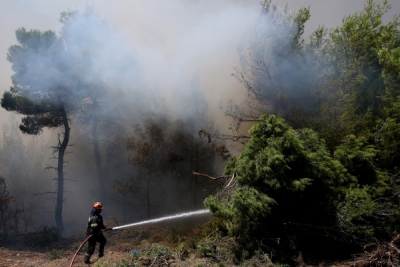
<point x="195" y="178"/>
<point x="15" y="217"/>
<point x="148" y="198"/>
<point x="97" y="159"/>
<point x="60" y="172"/>
<point x="3" y="222"/>
<point x="194" y="181"/>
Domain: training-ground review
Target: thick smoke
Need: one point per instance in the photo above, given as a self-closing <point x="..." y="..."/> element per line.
<point x="168" y="61"/>
<point x="173" y="59"/>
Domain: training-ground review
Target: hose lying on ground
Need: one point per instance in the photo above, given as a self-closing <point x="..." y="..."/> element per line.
<point x="80" y="247"/>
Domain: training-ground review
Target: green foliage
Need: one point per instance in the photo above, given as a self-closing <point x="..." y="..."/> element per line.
<point x="54" y="254"/>
<point x="357" y="157"/>
<point x="360" y="114"/>
<point x="46" y="77"/>
<point x="355" y="59"/>
<point x="217" y="248"/>
<point x="355" y="211"/>
<point x="290" y="188"/>
<point x="206" y="249"/>
<point x="359" y="89"/>
<point x="183" y="251"/>
<point x="40" y="100"/>
<point x="155" y="250"/>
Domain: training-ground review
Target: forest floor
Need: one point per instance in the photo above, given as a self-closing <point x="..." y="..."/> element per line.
<point x="125" y="248"/>
<point x="115" y="255"/>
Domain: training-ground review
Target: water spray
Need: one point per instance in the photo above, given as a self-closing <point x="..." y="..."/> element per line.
<point x="180" y="215"/>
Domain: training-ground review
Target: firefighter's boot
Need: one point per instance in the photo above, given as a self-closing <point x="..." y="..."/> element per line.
<point x="87" y="258"/>
<point x="101" y="250"/>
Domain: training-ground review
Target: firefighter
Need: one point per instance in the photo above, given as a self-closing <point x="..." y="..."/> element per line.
<point x="95" y="228"/>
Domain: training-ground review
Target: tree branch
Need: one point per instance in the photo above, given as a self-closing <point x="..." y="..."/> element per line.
<point x="44" y="193"/>
<point x="7" y="200"/>
<point x="211" y="177"/>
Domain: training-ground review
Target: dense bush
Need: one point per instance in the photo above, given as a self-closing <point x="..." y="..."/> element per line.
<point x="293" y="195"/>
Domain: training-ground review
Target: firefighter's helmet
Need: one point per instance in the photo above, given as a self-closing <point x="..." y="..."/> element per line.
<point x="98" y="206"/>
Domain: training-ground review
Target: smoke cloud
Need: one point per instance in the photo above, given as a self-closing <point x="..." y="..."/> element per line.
<point x="148" y="59"/>
<point x="143" y="57"/>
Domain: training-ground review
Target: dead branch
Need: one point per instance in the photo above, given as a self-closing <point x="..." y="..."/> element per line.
<point x="7" y="200"/>
<point x="382" y="254"/>
<point x="233" y="176"/>
<point x="211" y="177"/>
<point x="44" y="193"/>
<point x="115" y="220"/>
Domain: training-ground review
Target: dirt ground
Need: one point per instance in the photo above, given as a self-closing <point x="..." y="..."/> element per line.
<point x="36" y="251"/>
<point x="46" y="249"/>
<point x="113" y="254"/>
<point x="9" y="257"/>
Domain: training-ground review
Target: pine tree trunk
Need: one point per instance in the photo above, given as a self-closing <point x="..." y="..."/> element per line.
<point x="60" y="170"/>
<point x="97" y="159"/>
<point x="148" y="198"/>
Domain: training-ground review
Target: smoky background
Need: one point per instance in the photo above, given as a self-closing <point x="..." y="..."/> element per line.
<point x="156" y="70"/>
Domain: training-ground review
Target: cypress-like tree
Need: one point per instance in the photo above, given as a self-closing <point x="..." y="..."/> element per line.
<point x="292" y="195"/>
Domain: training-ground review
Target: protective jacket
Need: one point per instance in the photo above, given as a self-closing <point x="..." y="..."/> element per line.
<point x="95" y="224"/>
